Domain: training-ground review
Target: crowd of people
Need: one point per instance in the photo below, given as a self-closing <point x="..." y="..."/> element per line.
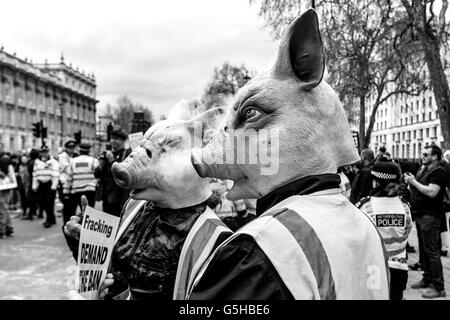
<point x="391" y="194"/>
<point x="33" y="182"/>
<point x="394" y="195"/>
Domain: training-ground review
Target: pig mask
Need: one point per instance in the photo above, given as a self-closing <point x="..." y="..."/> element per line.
<point x="160" y="169"/>
<point x="303" y="113"/>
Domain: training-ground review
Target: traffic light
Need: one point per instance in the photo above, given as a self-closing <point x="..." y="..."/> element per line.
<point x="77" y="136"/>
<point x="109" y="128"/>
<point x="44" y="132"/>
<point x="37" y="129"/>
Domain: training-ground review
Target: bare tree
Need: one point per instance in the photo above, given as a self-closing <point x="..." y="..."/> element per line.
<point x="124" y="112"/>
<point x="226" y="81"/>
<point x="427" y="22"/>
<point x="369" y="57"/>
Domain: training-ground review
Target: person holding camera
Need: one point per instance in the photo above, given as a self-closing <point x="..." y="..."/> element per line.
<point x="111" y="194"/>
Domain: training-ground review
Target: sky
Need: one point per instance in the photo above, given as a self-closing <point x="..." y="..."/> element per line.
<point x="156" y="52"/>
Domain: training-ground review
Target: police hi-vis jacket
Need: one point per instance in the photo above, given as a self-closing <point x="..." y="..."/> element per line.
<point x="392" y="218"/>
<point x="64" y="166"/>
<point x="310" y="243"/>
<point x="45" y="171"/>
<point x="81" y="174"/>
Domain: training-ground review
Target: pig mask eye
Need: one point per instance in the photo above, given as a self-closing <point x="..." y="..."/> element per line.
<point x="251" y="114"/>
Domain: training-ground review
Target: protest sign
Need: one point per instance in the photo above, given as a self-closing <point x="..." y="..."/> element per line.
<point x="8" y="182"/>
<point x="98" y="231"/>
<point x="135" y="140"/>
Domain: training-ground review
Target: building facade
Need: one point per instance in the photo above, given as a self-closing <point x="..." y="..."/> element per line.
<point x="62" y="97"/>
<point x="103" y="121"/>
<point x="405" y="124"/>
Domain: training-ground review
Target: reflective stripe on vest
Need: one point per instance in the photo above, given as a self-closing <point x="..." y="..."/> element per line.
<point x="132" y="208"/>
<point x="196" y="250"/>
<point x="321" y="246"/>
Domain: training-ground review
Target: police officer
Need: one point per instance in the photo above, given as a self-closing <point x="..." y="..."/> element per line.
<point x="392" y="217"/>
<point x="45" y="182"/>
<point x="81" y="178"/>
<point x="65" y="159"/>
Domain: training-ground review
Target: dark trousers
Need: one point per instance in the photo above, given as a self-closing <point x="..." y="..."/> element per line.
<point x="419" y="241"/>
<point x="46" y="199"/>
<point x="430" y="235"/>
<point x="65" y="199"/>
<point x="32" y="203"/>
<point x="75" y="201"/>
<point x="399" y="278"/>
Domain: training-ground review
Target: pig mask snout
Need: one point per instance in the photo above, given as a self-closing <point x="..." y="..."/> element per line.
<point x="121" y="175"/>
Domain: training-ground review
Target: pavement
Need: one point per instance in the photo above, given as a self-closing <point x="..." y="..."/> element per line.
<point x="415" y="276"/>
<point x="35" y="264"/>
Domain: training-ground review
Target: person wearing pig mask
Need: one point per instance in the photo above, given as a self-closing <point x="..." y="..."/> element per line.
<point x="308" y="241"/>
<point x="166" y="206"/>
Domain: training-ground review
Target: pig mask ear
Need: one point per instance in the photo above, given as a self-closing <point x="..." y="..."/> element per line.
<point x="301" y="52"/>
<point x="208" y="120"/>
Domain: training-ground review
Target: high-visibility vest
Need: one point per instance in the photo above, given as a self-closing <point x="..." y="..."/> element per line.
<point x="132" y="208"/>
<point x="199" y="243"/>
<point x="322" y="247"/>
<point x="81" y="174"/>
<point x="45" y="171"/>
<point x="64" y="168"/>
<point x="392" y="218"/>
<point x="198" y="246"/>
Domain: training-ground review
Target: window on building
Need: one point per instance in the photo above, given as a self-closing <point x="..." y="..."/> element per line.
<point x="430" y="102"/>
<point x="427" y="133"/>
<point x="406" y="108"/>
<point x="419" y="149"/>
<point x="417" y="105"/>
<point x="384" y="140"/>
<point x="393" y="139"/>
<point x="430" y="116"/>
<point x="437" y="114"/>
<point x="11" y="143"/>
<point x="423" y="116"/>
<point x="414" y="134"/>
<point x="23" y="143"/>
<point x="406" y="121"/>
<point x="421" y="133"/>
<point x="414" y="150"/>
<point x="403" y="136"/>
<point x="435" y="132"/>
<point x="423" y="103"/>
<point x="403" y="151"/>
<point x="412" y="119"/>
<point x="9" y="116"/>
